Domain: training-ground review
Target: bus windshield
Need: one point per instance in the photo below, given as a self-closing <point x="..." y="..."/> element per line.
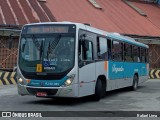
<point x="54" y="53"/>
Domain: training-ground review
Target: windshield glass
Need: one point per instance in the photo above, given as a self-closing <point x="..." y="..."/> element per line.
<point x="54" y="54"/>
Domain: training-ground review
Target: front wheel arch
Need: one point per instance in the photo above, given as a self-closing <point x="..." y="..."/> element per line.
<point x="100" y="88"/>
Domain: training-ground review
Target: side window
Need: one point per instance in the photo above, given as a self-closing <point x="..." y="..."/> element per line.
<point x="143" y="55"/>
<point x="139" y="54"/>
<point x="117" y="51"/>
<point x="109" y="45"/>
<point x="128" y="52"/>
<point x="102" y="52"/>
<point x="88" y="50"/>
<point x="147" y="56"/>
<point x="136" y="54"/>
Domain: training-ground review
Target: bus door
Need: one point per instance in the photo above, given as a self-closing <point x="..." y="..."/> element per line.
<point x="86" y="67"/>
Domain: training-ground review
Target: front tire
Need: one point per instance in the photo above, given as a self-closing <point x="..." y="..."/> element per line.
<point x="98" y="90"/>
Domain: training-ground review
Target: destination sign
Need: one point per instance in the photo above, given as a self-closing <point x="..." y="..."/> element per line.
<point x="44" y="29"/>
<point x="47" y="29"/>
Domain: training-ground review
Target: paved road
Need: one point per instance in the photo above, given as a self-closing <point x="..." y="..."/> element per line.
<point x="146" y="98"/>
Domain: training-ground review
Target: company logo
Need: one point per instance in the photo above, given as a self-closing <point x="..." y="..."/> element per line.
<point x="51" y="84"/>
<point x="6" y="114"/>
<point x="117" y="69"/>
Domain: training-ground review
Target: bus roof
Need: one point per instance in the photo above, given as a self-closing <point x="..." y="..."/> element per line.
<point x="98" y="31"/>
<point x="126" y="39"/>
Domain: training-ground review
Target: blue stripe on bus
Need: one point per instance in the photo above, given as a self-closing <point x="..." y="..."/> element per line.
<point x="119" y="70"/>
<point x="47" y="83"/>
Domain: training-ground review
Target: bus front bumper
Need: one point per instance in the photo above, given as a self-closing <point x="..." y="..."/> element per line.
<point x="68" y="91"/>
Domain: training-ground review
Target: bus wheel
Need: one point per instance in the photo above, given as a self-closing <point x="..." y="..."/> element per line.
<point x="98" y="90"/>
<point x="135" y="83"/>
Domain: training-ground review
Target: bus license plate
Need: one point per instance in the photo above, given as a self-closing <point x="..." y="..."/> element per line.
<point x="41" y="94"/>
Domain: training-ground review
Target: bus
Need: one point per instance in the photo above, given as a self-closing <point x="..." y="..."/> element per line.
<point x="66" y="59"/>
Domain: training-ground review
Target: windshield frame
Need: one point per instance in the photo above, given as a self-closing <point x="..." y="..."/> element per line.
<point x="30" y="75"/>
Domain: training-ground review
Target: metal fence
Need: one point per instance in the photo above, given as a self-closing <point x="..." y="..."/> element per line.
<point x="8" y="57"/>
<point x="154" y="56"/>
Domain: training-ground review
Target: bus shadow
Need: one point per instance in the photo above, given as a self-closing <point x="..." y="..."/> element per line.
<point x="113" y="93"/>
<point x="63" y="101"/>
<point x="78" y="101"/>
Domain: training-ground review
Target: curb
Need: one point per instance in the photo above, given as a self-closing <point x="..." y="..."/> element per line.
<point x="8" y="78"/>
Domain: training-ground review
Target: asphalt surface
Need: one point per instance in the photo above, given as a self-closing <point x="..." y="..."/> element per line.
<point x="145" y="98"/>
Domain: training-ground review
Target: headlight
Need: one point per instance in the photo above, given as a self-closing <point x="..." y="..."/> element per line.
<point x="69" y="80"/>
<point x="20" y="80"/>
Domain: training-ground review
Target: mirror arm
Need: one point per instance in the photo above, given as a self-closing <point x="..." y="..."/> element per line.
<point x="10" y="40"/>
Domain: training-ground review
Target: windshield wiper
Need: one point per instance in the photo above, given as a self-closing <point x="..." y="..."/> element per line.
<point x="53" y="45"/>
<point x="41" y="50"/>
<point x="38" y="46"/>
<point x="36" y="43"/>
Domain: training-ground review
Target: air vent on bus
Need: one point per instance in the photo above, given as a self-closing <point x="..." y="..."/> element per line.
<point x="87" y="24"/>
<point x="95" y="4"/>
<point x="66" y="21"/>
<point x="116" y="33"/>
<point x="42" y="0"/>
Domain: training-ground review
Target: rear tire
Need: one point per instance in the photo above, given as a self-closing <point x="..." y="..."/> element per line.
<point x="135" y="83"/>
<point x="98" y="90"/>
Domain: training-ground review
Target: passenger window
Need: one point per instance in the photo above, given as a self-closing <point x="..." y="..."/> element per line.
<point x="135" y="54"/>
<point x="128" y="53"/>
<point x="143" y="55"/>
<point x="117" y="51"/>
<point x="139" y="54"/>
<point x="147" y="56"/>
<point x="88" y="50"/>
<point x="109" y="45"/>
<point x="102" y="52"/>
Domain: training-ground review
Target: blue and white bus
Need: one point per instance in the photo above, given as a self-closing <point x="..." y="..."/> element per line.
<point x="65" y="59"/>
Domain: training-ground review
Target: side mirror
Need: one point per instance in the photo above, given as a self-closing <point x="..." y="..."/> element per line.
<point x="10" y="40"/>
<point x="10" y="44"/>
<point x="23" y="47"/>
